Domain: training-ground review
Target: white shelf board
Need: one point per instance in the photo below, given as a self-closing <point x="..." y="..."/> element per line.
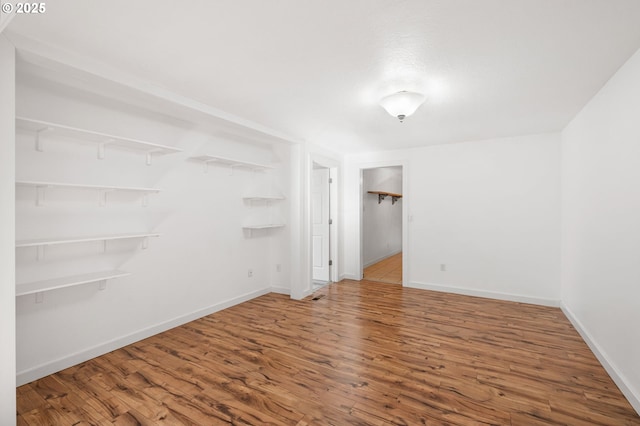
<point x="56" y="283"/>
<point x="93" y="136"/>
<point x="230" y="162"/>
<point x="48" y="184"/>
<point x="265" y="226"/>
<point x="263" y="197"/>
<point x="55" y="241"/>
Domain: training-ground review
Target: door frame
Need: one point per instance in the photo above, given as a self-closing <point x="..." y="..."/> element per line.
<point x="363" y="213"/>
<point x="303" y="156"/>
<point x="406" y="216"/>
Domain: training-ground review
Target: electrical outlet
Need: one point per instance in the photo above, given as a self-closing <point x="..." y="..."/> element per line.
<point x="250" y="273"/>
<point x="443" y="267"/>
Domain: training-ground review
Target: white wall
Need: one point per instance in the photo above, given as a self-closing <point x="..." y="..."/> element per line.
<point x="601" y="226"/>
<point x="381" y="222"/>
<point x="7" y="234"/>
<point x="488" y="210"/>
<point x="198" y="265"/>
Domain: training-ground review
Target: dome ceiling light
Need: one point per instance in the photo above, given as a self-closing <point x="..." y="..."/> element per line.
<point x="402" y="104"/>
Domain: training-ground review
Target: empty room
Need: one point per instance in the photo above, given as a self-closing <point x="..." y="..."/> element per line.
<point x="380" y="212"/>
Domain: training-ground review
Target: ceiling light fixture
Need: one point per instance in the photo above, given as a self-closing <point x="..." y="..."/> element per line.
<point x="402" y="104"/>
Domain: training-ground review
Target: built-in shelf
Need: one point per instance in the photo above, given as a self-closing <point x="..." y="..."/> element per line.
<point x="40" y="244"/>
<point x="265" y="226"/>
<point x="56" y="283"/>
<point x="56" y="241"/>
<point x="383" y="194"/>
<point x="104" y="189"/>
<point x="208" y="159"/>
<point x="80" y="185"/>
<point x="263" y="198"/>
<point x="41" y="128"/>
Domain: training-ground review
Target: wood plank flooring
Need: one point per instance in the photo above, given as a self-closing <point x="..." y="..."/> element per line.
<point x="388" y="270"/>
<point x="363" y="353"/>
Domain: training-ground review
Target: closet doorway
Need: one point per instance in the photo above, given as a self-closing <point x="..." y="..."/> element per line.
<point x="382" y="224"/>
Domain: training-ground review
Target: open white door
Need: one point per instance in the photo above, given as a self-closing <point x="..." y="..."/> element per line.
<point x="320" y="224"/>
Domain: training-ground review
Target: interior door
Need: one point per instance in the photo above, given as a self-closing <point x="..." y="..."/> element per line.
<point x="320" y="224"/>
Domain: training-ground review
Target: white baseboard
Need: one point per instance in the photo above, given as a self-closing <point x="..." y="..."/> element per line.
<point x="380" y="259"/>
<point x="281" y="290"/>
<point x="487" y="294"/>
<point x="307" y="293"/>
<point x="632" y="395"/>
<point x="354" y="277"/>
<point x="42" y="370"/>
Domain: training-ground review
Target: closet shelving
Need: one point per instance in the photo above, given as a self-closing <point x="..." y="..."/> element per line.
<point x="214" y="159"/>
<point x="384" y="194"/>
<point x="41" y="128"/>
<point x="41" y="186"/>
<point x="70" y="281"/>
<point x="55" y="241"/>
<point x="267" y="199"/>
<point x="41" y="243"/>
<point x="264" y="226"/>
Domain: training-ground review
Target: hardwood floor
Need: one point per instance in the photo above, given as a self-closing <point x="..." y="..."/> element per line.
<point x="388" y="270"/>
<point x="362" y="353"/>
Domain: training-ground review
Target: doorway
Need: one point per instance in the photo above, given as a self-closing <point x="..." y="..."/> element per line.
<point x="323" y="236"/>
<point x="382" y="214"/>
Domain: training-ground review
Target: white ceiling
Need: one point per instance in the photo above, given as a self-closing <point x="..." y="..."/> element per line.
<point x="315" y="69"/>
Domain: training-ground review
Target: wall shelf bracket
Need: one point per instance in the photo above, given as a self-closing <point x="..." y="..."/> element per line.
<point x="40" y="195"/>
<point x="149" y="156"/>
<point x="101" y="148"/>
<point x="39" y="145"/>
<point x="40" y="251"/>
<point x="103" y="196"/>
